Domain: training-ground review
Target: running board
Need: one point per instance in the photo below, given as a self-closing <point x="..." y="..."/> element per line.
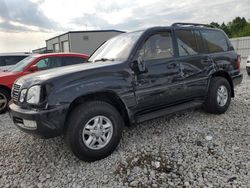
<point x="168" y="110"/>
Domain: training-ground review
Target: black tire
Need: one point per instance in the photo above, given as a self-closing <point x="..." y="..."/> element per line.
<point x="4" y="95"/>
<point x="79" y="117"/>
<point x="248" y="72"/>
<point x="211" y="104"/>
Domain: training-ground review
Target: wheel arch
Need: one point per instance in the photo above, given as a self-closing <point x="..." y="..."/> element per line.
<point x="5" y="88"/>
<point x="106" y="96"/>
<point x="224" y="74"/>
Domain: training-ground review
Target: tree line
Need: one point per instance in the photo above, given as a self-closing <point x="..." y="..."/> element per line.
<point x="238" y="27"/>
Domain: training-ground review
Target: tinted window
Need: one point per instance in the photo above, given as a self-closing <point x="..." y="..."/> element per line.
<point x="2" y="61"/>
<point x="12" y="60"/>
<point x="72" y="60"/>
<point x="199" y="41"/>
<point x="42" y="64"/>
<point x="186" y="40"/>
<point x="157" y="46"/>
<point x="48" y="63"/>
<point x="215" y="40"/>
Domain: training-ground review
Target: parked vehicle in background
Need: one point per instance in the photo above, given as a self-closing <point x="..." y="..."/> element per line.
<point x="31" y="64"/>
<point x="248" y="65"/>
<point x="9" y="59"/>
<point x="131" y="78"/>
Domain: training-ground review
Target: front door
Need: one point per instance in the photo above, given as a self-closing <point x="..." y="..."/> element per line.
<point x="160" y="85"/>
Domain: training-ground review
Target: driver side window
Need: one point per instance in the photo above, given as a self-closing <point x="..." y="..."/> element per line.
<point x="157" y="46"/>
<point x="42" y="64"/>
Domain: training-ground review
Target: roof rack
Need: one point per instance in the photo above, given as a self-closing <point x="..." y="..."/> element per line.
<point x="191" y="24"/>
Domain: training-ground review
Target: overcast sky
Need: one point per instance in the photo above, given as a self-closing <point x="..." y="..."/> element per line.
<point x="26" y="24"/>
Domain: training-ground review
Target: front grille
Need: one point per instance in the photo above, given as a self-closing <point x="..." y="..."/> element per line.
<point x="15" y="92"/>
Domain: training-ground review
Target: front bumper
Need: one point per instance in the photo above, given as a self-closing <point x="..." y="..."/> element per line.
<point x="42" y="123"/>
<point x="237" y="79"/>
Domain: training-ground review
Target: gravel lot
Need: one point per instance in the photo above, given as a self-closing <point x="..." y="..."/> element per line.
<point x="188" y="149"/>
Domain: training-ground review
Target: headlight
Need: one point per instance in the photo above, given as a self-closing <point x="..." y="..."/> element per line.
<point x="33" y="95"/>
<point x="22" y="95"/>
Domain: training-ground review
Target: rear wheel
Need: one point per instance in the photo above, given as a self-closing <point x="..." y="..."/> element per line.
<point x="219" y="96"/>
<point x="94" y="130"/>
<point x="4" y="99"/>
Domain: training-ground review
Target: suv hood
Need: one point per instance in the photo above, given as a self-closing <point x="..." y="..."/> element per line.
<point x="41" y="76"/>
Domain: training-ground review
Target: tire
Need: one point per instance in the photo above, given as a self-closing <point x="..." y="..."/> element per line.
<point x="4" y="100"/>
<point x="212" y="104"/>
<point x="81" y="118"/>
<point x="248" y="72"/>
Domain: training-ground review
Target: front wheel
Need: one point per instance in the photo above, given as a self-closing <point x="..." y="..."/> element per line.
<point x="219" y="96"/>
<point x="4" y="99"/>
<point x="94" y="130"/>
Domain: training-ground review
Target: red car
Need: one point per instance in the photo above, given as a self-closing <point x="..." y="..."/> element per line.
<point x="33" y="63"/>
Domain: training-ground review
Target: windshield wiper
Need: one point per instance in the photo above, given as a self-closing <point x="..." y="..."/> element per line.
<point x="105" y="59"/>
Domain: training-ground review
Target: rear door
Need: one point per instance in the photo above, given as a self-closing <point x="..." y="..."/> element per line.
<point x="195" y="63"/>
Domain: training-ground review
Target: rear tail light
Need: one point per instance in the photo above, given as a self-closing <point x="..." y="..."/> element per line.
<point x="238" y="62"/>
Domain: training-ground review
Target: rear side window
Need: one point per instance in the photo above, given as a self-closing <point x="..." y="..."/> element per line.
<point x="215" y="41"/>
<point x="72" y="60"/>
<point x="188" y="42"/>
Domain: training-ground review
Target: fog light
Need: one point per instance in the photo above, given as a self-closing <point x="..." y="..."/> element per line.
<point x="28" y="124"/>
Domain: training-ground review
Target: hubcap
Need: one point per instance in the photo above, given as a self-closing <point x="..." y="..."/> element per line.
<point x="222" y="95"/>
<point x="97" y="132"/>
<point x="3" y="101"/>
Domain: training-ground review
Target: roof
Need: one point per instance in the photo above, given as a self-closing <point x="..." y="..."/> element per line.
<point x="88" y="31"/>
<point x="60" y="54"/>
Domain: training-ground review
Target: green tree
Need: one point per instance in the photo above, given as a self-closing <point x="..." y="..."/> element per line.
<point x="238" y="27"/>
<point x="215" y="24"/>
<point x="225" y="28"/>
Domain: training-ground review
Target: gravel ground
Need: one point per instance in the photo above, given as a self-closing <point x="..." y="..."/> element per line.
<point x="188" y="149"/>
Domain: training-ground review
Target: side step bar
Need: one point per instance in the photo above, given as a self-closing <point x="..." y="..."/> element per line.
<point x="168" y="110"/>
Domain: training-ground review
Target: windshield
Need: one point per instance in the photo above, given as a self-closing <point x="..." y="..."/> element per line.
<point x="117" y="48"/>
<point x="21" y="64"/>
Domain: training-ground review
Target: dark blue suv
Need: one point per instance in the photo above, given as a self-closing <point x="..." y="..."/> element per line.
<point x="131" y="78"/>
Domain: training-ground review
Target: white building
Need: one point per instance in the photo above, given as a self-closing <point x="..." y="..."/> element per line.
<point x="78" y="41"/>
<point x="242" y="46"/>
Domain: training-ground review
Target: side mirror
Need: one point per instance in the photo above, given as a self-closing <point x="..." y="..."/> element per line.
<point x="139" y="66"/>
<point x="33" y="68"/>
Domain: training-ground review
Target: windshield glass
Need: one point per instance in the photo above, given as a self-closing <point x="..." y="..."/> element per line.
<point x="117" y="48"/>
<point x="21" y="64"/>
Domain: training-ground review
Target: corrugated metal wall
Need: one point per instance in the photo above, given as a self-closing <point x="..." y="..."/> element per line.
<point x="242" y="46"/>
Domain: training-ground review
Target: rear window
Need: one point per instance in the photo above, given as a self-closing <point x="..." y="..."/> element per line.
<point x="215" y="41"/>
